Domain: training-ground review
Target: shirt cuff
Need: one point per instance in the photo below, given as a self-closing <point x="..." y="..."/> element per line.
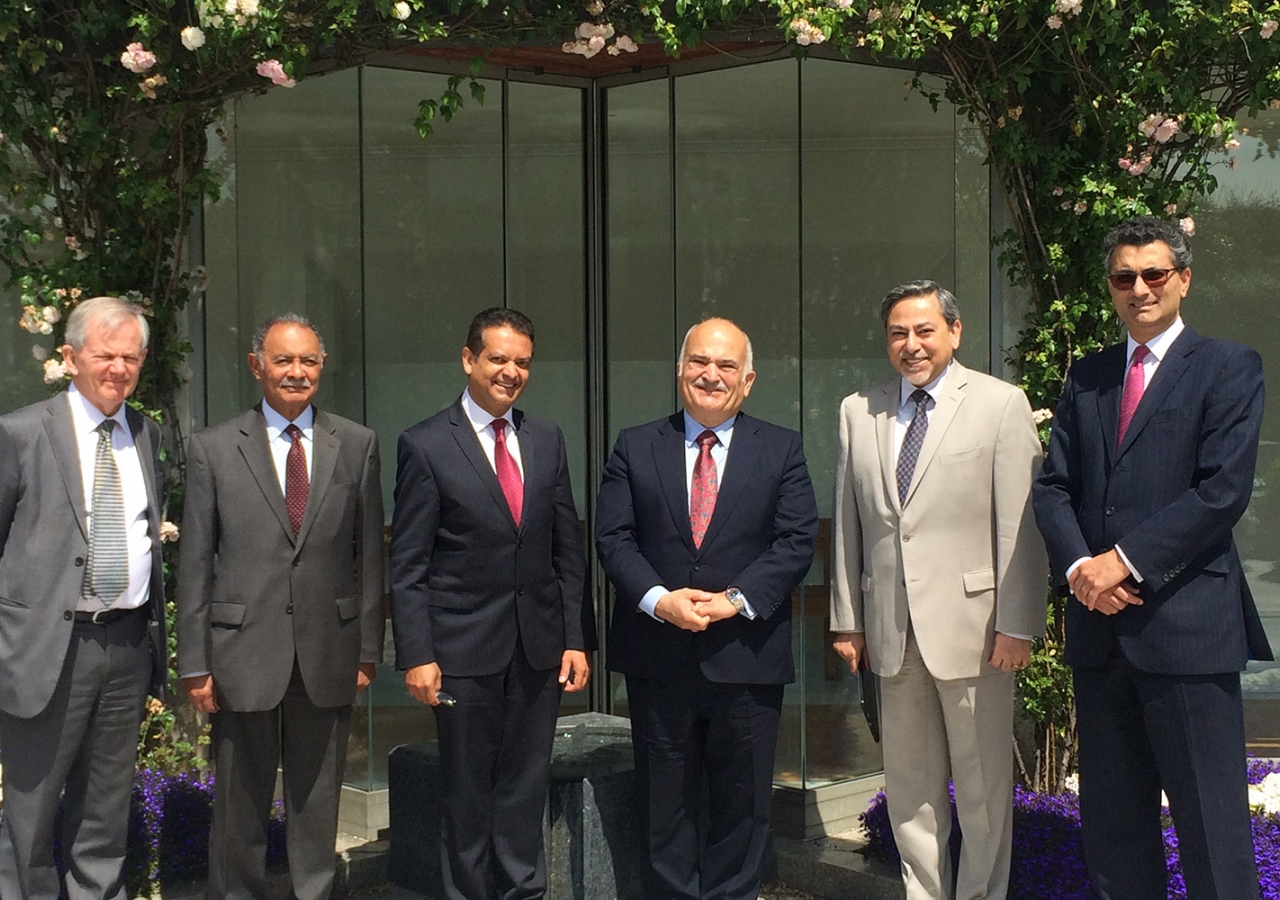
<point x="1128" y="565"/>
<point x="1075" y="565"/>
<point x="649" y="602"/>
<point x="194" y="674"/>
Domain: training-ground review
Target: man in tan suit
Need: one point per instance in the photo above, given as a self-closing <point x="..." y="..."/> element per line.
<point x="939" y="586"/>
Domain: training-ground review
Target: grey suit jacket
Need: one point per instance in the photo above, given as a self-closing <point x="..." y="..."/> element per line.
<point x="44" y="540"/>
<point x="961" y="558"/>
<point x="251" y="596"/>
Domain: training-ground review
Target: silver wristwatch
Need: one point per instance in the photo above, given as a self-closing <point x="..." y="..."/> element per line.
<point x="736" y="597"/>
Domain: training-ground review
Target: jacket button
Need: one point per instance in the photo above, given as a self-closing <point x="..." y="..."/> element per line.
<point x="1111" y="510"/>
<point x="519" y="592"/>
<point x="697" y="567"/>
<point x="79" y="561"/>
<point x="520" y="544"/>
<point x="289" y="609"/>
<point x="296" y="563"/>
<point x="67" y="616"/>
<point x="906" y="538"/>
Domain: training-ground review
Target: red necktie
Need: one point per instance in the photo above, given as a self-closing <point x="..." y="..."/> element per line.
<point x="508" y="472"/>
<point x="296" y="483"/>
<point x="702" y="496"/>
<point x="1134" y="385"/>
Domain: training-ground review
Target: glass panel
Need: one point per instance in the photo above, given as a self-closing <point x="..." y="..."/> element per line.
<point x="737" y="255"/>
<point x="433" y="259"/>
<point x="640" y="341"/>
<point x="285" y="237"/>
<point x="1236" y="268"/>
<point x="21" y="373"/>
<point x="546" y="255"/>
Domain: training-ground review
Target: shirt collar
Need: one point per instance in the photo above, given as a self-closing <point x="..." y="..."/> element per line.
<point x="479" y="418"/>
<point x="276" y="423"/>
<point x="1159" y="345"/>
<point x="723" y="431"/>
<point x="87" y="417"/>
<point x="932" y="388"/>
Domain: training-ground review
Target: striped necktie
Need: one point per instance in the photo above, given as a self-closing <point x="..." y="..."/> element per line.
<point x="106" y="572"/>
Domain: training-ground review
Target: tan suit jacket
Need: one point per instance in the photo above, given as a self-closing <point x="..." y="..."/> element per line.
<point x="961" y="559"/>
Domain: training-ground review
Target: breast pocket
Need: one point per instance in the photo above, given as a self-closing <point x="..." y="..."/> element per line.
<point x="959" y="456"/>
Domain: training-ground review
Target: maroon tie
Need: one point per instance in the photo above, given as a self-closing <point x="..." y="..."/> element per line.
<point x="1134" y="384"/>
<point x="702" y="496"/>
<point x="508" y="472"/>
<point x="296" y="483"/>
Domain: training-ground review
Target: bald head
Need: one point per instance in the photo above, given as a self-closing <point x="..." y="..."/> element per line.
<point x="716" y="372"/>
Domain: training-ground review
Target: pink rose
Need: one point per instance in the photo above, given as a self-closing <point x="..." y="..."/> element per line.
<point x="272" y="69"/>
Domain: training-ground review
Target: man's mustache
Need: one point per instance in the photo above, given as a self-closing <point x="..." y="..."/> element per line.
<point x="295" y="382"/>
<point x="706" y="385"/>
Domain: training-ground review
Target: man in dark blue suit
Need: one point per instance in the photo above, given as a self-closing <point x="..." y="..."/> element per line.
<point x="705" y="523"/>
<point x="488" y="608"/>
<point x="1150" y="466"/>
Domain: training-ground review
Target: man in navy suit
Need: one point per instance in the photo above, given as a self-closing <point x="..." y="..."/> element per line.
<point x="488" y="608"/>
<point x="1150" y="466"/>
<point x="705" y="523"/>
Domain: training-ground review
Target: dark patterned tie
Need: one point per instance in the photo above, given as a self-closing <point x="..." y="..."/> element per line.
<point x="912" y="441"/>
<point x="508" y="472"/>
<point x="702" y="495"/>
<point x="106" y="572"/>
<point x="1134" y="384"/>
<point x="296" y="483"/>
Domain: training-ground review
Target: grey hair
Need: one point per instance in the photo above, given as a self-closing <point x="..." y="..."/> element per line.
<point x="747" y="369"/>
<point x="1142" y="230"/>
<point x="259" y="345"/>
<point x="109" y="312"/>
<point x="922" y="288"/>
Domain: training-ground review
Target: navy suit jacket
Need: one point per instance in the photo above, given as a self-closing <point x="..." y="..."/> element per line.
<point x="464" y="579"/>
<point x="1169" y="495"/>
<point x="760" y="539"/>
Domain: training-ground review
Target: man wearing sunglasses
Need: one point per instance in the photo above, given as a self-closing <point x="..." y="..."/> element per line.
<point x="1150" y="466"/>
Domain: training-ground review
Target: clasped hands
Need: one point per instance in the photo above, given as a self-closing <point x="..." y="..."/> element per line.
<point x="424" y="682"/>
<point x="1102" y="584"/>
<point x="692" y="609"/>
<point x="1007" y="653"/>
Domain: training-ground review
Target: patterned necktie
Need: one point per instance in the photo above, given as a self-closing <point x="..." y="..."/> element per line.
<point x="912" y="441"/>
<point x="106" y="573"/>
<point x="296" y="483"/>
<point x="1134" y="385"/>
<point x="508" y="472"/>
<point x="702" y="496"/>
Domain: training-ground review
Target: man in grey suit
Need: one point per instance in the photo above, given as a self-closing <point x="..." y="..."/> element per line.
<point x="939" y="584"/>
<point x="280" y="615"/>
<point x="81" y="611"/>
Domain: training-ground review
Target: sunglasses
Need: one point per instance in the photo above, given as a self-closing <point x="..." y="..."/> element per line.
<point x="1125" y="280"/>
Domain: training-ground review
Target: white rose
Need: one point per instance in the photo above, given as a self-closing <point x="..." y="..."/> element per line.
<point x="192" y="38"/>
<point x="401" y="10"/>
<point x="249" y="7"/>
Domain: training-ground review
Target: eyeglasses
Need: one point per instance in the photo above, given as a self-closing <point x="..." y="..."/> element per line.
<point x="1125" y="280"/>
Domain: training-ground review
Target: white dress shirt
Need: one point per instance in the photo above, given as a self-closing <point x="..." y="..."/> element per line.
<point x="719" y="454"/>
<point x="85" y="418"/>
<point x="482" y="422"/>
<point x="280" y="443"/>
<point x="1157" y="349"/>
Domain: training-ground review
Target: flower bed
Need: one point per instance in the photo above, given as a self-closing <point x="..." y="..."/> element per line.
<point x="169" y="821"/>
<point x="1048" y="859"/>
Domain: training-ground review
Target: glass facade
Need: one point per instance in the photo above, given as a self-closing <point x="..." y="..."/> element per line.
<point x="785" y="195"/>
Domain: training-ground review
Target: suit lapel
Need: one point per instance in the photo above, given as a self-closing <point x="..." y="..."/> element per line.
<point x="949" y="399"/>
<point x="1172" y="368"/>
<point x="324" y="446"/>
<point x="147" y="457"/>
<point x="257" y="456"/>
<point x="886" y="414"/>
<point x="740" y="462"/>
<point x="469" y="443"/>
<point x="1109" y="400"/>
<point x="62" y="439"/>
<point x="531" y="459"/>
<point x="668" y="460"/>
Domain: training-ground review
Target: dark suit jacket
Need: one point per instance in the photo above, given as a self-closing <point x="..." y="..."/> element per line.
<point x="464" y="579"/>
<point x="760" y="539"/>
<point x="250" y="595"/>
<point x="1169" y="496"/>
<point x="43" y="544"/>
